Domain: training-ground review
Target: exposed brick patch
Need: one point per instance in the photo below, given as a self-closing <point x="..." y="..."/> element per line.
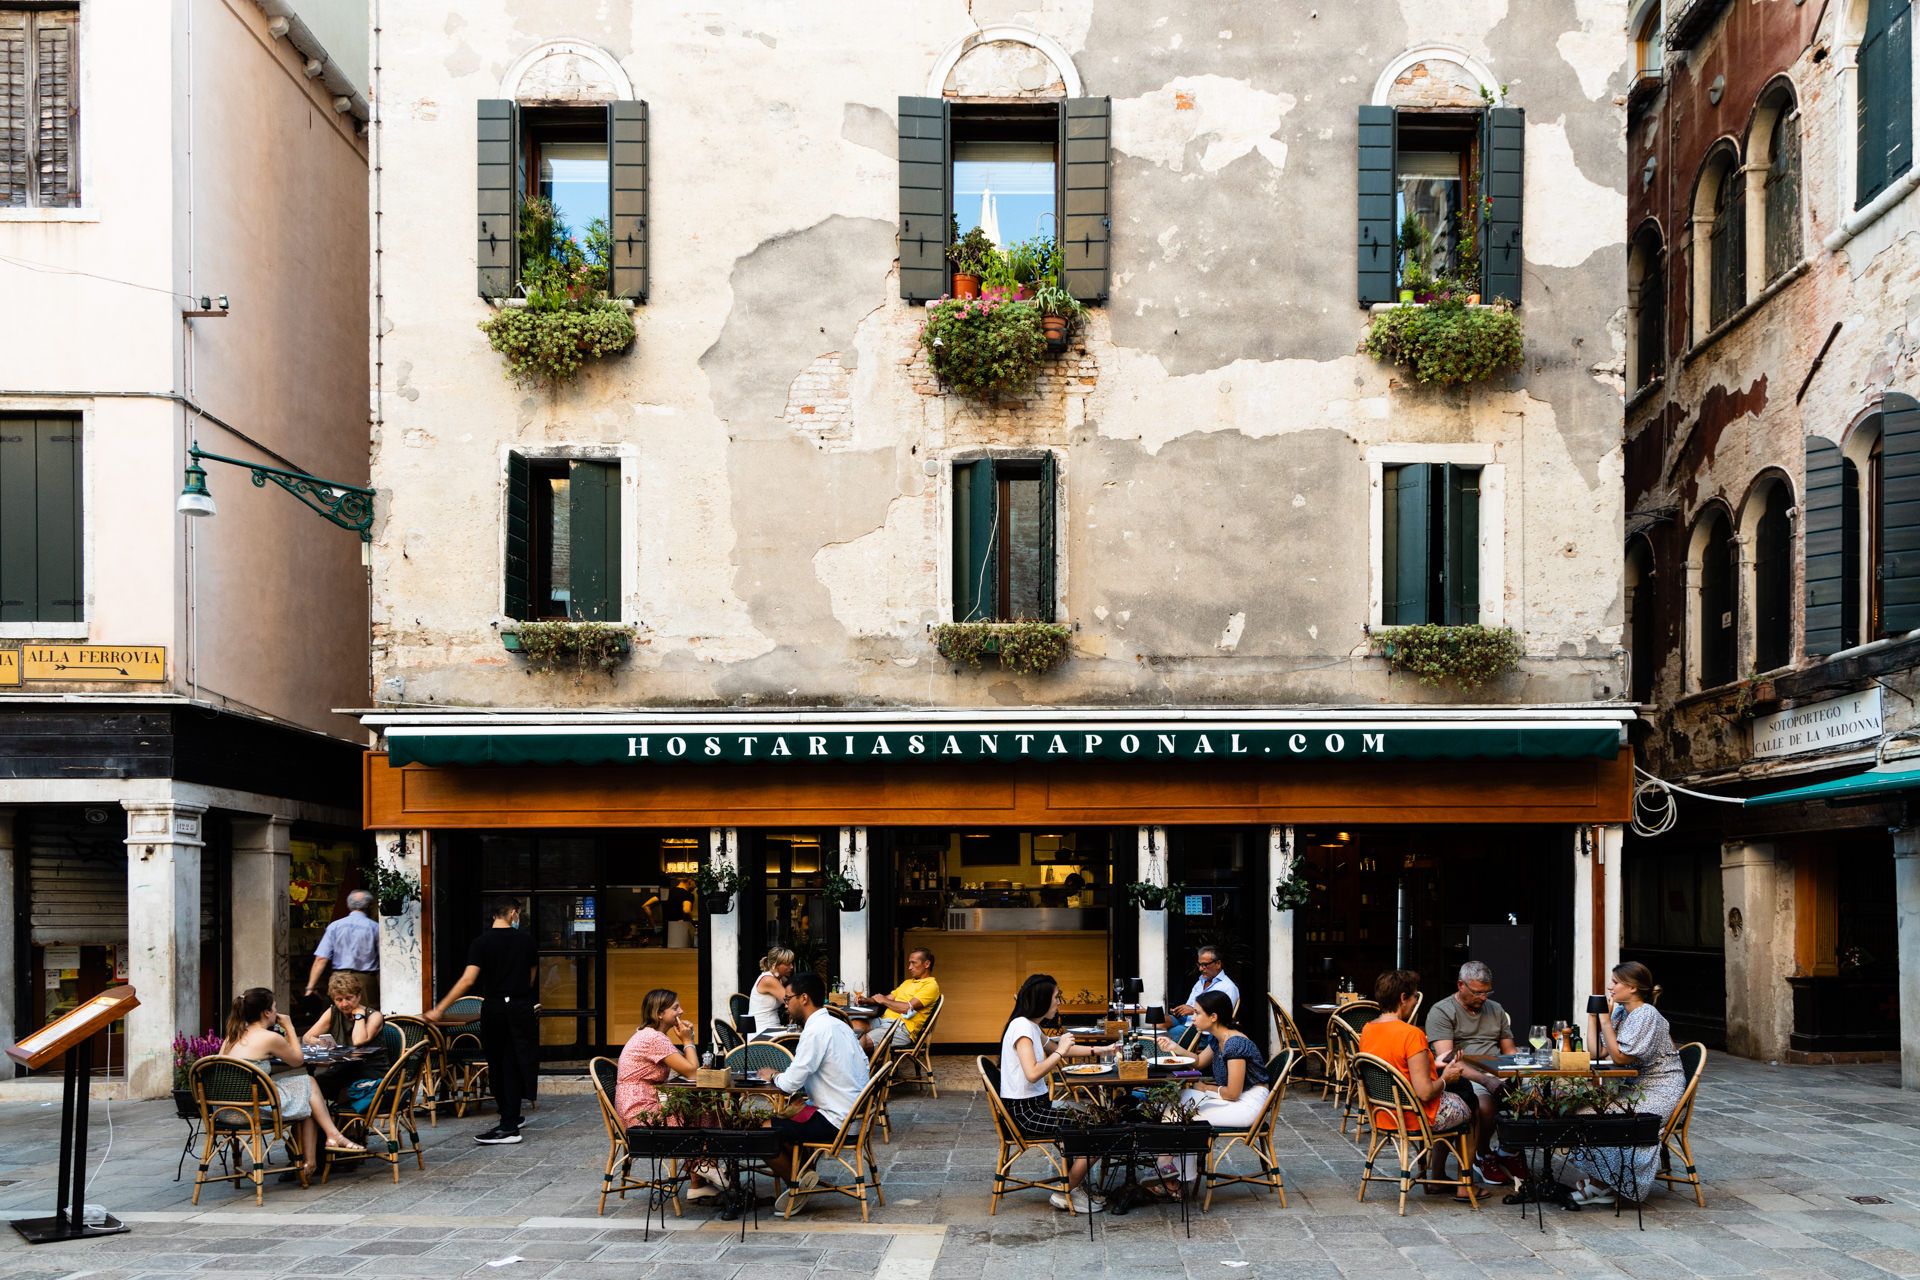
<point x="820" y="400"/>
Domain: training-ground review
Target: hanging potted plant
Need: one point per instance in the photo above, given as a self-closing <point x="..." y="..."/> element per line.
<point x="1293" y="890"/>
<point x="844" y="889"/>
<point x="1155" y="897"/>
<point x="395" y="889"/>
<point x="717" y="882"/>
<point x="971" y="255"/>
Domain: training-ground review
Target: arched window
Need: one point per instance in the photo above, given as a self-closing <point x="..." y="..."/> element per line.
<point x="1884" y="118"/>
<point x="1715" y="557"/>
<point x="1647" y="307"/>
<point x="1783" y="193"/>
<point x="1727" y="248"/>
<point x="1772" y="576"/>
<point x="1642" y="603"/>
<point x="1648" y="44"/>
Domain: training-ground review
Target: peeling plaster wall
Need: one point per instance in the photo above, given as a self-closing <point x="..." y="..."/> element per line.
<point x="787" y="454"/>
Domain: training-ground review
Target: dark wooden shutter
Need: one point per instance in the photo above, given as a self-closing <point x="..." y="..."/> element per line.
<point x="40" y="520"/>
<point x="1460" y="576"/>
<point x="1823" y="509"/>
<point x="627" y="198"/>
<point x="1899" y="513"/>
<point x="1884" y="112"/>
<point x="593" y="498"/>
<point x="1500" y="253"/>
<point x="13" y="108"/>
<point x="1407" y="528"/>
<point x="519" y="565"/>
<point x="926" y="210"/>
<point x="499" y="196"/>
<point x="976" y="589"/>
<point x="1377" y="253"/>
<point x="57" y="109"/>
<point x="1049" y="535"/>
<point x="1086" y="204"/>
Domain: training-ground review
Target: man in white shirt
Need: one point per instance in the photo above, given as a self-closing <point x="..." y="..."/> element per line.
<point x="828" y="1066"/>
<point x="1212" y="978"/>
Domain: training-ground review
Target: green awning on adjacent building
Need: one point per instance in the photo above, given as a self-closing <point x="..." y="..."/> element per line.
<point x="1881" y="780"/>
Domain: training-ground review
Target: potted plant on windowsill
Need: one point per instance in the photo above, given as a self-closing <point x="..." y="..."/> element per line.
<point x="843" y="889"/>
<point x="717" y="883"/>
<point x="568" y="316"/>
<point x="1448" y="342"/>
<point x="561" y="643"/>
<point x="1023" y="647"/>
<point x="971" y="256"/>
<point x="1470" y="655"/>
<point x="1059" y="309"/>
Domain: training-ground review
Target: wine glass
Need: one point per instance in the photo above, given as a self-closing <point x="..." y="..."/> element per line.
<point x="1537" y="1037"/>
<point x="1561" y="1033"/>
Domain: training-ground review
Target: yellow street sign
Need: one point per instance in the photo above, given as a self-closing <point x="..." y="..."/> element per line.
<point x="9" y="668"/>
<point x="95" y="662"/>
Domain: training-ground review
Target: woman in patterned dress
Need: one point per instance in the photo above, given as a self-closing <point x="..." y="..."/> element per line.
<point x="1636" y="1036"/>
<point x="647" y="1059"/>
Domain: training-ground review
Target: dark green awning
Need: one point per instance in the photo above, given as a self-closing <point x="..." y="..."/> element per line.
<point x="1880" y="780"/>
<point x="1057" y="740"/>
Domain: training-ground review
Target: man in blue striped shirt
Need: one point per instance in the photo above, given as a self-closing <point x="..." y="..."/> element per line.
<point x="351" y="944"/>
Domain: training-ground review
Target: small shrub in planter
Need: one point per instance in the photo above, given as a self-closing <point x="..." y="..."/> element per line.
<point x="1446" y="342"/>
<point x="986" y="346"/>
<point x="581" y="646"/>
<point x="1470" y="655"/>
<point x="568" y="318"/>
<point x="1024" y="648"/>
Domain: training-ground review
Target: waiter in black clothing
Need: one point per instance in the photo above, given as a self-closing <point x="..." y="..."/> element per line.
<point x="502" y="963"/>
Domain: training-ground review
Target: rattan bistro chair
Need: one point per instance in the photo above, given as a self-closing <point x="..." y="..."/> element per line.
<point x="919" y="1055"/>
<point x="466" y="1058"/>
<point x="240" y="1116"/>
<point x="881" y="1055"/>
<point x="1387" y="1101"/>
<point x="851" y="1148"/>
<point x="737" y="1005"/>
<point x="1015" y="1145"/>
<point x="389" y="1112"/>
<point x="1287" y="1035"/>
<point x="1673" y="1136"/>
<point x="756" y="1054"/>
<point x="1256" y="1137"/>
<point x="617" y="1178"/>
<point x="1343" y="1043"/>
<point x="433" y="1063"/>
<point x="726" y="1038"/>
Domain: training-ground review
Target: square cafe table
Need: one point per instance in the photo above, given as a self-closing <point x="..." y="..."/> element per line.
<point x="1595" y="1130"/>
<point x="739" y="1198"/>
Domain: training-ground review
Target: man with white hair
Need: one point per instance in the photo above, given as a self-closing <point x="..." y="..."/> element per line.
<point x="1471" y="1022"/>
<point x="351" y="944"/>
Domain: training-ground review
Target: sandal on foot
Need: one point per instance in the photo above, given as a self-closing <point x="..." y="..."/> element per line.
<point x="347" y="1147"/>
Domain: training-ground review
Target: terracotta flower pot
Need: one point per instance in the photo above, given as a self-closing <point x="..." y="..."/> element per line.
<point x="965" y="286"/>
<point x="1054" y="329"/>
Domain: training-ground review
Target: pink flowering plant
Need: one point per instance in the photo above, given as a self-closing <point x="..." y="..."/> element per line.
<point x="188" y="1050"/>
<point x="985" y="346"/>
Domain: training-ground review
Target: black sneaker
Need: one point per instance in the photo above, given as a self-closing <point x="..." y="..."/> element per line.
<point x="498" y="1136"/>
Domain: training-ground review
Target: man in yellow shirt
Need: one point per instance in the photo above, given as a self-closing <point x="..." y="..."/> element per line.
<point x="910" y="1005"/>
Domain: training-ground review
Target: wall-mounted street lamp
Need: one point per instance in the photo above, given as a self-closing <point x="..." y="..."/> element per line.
<point x="346" y="505"/>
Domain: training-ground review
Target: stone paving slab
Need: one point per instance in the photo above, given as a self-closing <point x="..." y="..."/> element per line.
<point x="1782" y="1149"/>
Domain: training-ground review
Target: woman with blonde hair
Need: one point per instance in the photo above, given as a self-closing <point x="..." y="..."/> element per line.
<point x="351" y="1025"/>
<point x="766" y="1005"/>
<point x="261" y="1034"/>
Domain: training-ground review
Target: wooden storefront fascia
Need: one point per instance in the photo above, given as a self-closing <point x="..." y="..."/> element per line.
<point x="992" y="794"/>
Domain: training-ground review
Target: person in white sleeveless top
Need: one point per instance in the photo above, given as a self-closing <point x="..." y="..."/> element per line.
<point x="765" y="1004"/>
<point x="1027" y="1057"/>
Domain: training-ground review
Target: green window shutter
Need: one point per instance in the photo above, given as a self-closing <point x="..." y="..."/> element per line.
<point x="976" y="589"/>
<point x="1086" y="203"/>
<point x="1850" y="556"/>
<point x="1405" y="563"/>
<point x="1500" y="253"/>
<point x="1899" y="513"/>
<point x="1460" y="576"/>
<point x="40" y="520"/>
<point x="13" y="108"/>
<point x="1884" y="112"/>
<point x="498" y="196"/>
<point x="926" y="212"/>
<point x="1377" y="252"/>
<point x="1823" y="516"/>
<point x="593" y="491"/>
<point x="627" y="198"/>
<point x="519" y="566"/>
<point x="1049" y="535"/>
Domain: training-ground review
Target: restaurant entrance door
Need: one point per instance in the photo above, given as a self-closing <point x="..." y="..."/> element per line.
<point x="1224" y="870"/>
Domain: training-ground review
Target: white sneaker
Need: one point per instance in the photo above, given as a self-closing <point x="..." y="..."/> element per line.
<point x="1081" y="1204"/>
<point x="808" y="1181"/>
<point x="1592" y="1193"/>
<point x="714" y="1177"/>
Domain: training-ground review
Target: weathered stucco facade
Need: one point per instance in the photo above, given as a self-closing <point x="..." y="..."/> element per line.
<point x="785" y="455"/>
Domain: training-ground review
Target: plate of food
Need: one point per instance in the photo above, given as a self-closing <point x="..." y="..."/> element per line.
<point x="1174" y="1060"/>
<point x="1086" y="1030"/>
<point x="1085" y="1069"/>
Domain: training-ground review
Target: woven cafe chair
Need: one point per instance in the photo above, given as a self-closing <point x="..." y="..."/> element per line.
<point x="1015" y="1145"/>
<point x="1392" y="1113"/>
<point x="851" y="1148"/>
<point x="1188" y="1037"/>
<point x="240" y="1116"/>
<point x="882" y="1054"/>
<point x="617" y="1178"/>
<point x="466" y="1057"/>
<point x="737" y="1004"/>
<point x="1287" y="1035"/>
<point x="1256" y="1138"/>
<point x="919" y="1055"/>
<point x="725" y="1037"/>
<point x="1345" y="1043"/>
<point x="1673" y="1135"/>
<point x="756" y="1054"/>
<point x="433" y="1064"/>
<point x="389" y="1111"/>
<point x="1413" y="1015"/>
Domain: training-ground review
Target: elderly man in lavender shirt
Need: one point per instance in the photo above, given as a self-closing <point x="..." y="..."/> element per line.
<point x="351" y="944"/>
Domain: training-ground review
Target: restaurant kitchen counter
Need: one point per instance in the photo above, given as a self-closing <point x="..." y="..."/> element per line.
<point x="980" y="970"/>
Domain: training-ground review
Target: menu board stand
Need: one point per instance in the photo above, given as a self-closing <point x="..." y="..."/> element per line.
<point x="72" y="1034"/>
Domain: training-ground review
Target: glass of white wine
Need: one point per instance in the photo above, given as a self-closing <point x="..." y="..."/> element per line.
<point x="1537" y="1037"/>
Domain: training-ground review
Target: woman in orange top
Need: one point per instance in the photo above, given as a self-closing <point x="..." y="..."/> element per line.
<point x="1391" y="1037"/>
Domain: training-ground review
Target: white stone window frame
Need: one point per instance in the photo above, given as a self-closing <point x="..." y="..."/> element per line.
<point x="1746" y="532"/>
<point x="1850" y="17"/>
<point x="1493" y="521"/>
<point x="1006" y="33"/>
<point x="1857" y="446"/>
<point x="944" y="604"/>
<point x="1436" y="52"/>
<point x="628" y="456"/>
<point x="1778" y="97"/>
<point x="81" y="630"/>
<point x="1694" y="571"/>
<point x="87" y="210"/>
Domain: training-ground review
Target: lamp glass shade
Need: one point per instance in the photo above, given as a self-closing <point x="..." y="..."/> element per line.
<point x="194" y="498"/>
<point x="1597" y="1004"/>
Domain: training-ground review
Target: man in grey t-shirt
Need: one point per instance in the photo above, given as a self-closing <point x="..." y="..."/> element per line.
<point x="1471" y="1021"/>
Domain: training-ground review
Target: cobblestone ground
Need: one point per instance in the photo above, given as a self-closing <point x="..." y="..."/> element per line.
<point x="1783" y="1150"/>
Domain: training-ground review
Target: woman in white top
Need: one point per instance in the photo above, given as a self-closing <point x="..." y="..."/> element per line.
<point x="766" y="1004"/>
<point x="1027" y="1057"/>
<point x="262" y="1035"/>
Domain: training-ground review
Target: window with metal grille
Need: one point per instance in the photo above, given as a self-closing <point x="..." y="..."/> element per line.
<point x="1727" y="248"/>
<point x="1783" y="196"/>
<point x="39" y="106"/>
<point x="40" y="511"/>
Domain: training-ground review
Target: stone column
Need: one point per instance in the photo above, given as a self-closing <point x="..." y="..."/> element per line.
<point x="1906" y="898"/>
<point x="9" y="939"/>
<point x="723" y="932"/>
<point x="1757" y="888"/>
<point x="262" y="866"/>
<point x="1280" y="936"/>
<point x="853" y="924"/>
<point x="403" y="969"/>
<point x="1153" y="924"/>
<point x="163" y="935"/>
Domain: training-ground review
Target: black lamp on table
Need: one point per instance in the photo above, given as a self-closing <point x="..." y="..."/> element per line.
<point x="1597" y="1009"/>
<point x="1156" y="1015"/>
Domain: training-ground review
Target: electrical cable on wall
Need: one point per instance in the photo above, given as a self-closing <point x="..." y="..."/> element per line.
<point x="1655" y="796"/>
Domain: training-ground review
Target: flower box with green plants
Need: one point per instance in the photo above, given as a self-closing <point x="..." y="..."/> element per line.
<point x="564" y="645"/>
<point x="717" y="882"/>
<point x="843" y="890"/>
<point x="1155" y="897"/>
<point x="1469" y="655"/>
<point x="1446" y="337"/>
<point x="567" y="317"/>
<point x="394" y="888"/>
<point x="1024" y="648"/>
<point x="988" y="342"/>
